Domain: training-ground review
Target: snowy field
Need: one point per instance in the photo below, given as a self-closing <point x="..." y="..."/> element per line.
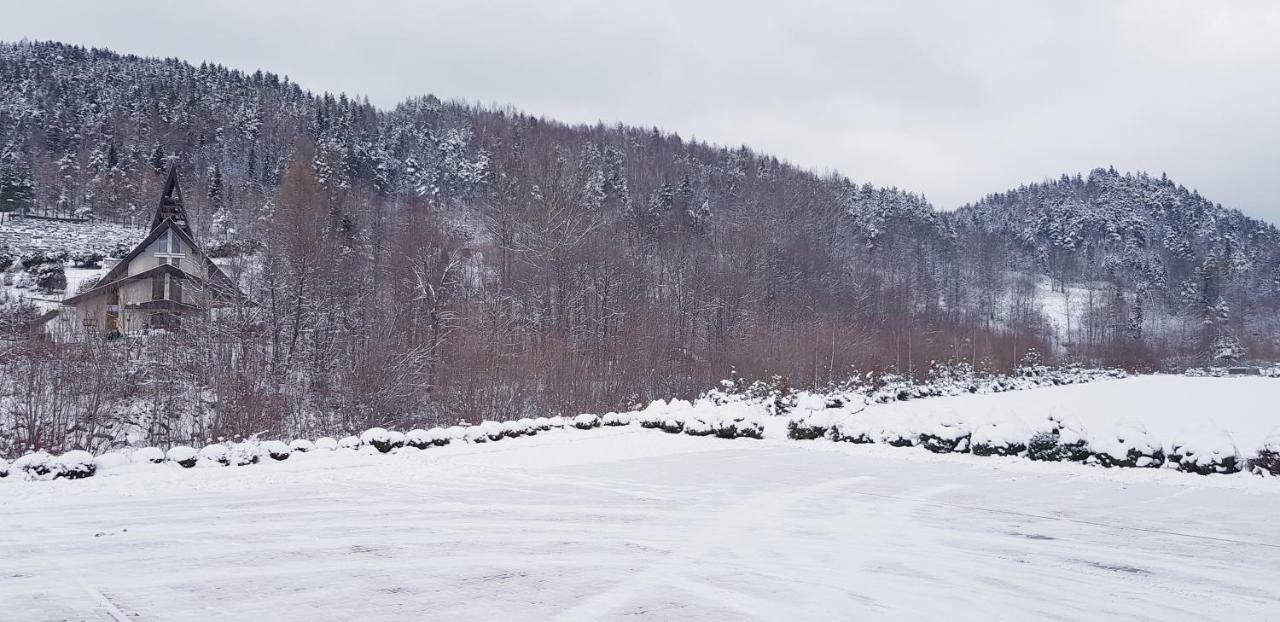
<point x="626" y="523"/>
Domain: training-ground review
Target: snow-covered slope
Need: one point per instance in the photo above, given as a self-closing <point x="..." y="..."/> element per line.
<point x="627" y="523"/>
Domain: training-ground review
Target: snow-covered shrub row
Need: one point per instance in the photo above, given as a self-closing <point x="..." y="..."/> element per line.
<point x="731" y="419"/>
<point x="1202" y="451"/>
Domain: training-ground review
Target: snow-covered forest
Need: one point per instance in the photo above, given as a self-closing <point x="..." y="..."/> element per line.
<point x="442" y="261"/>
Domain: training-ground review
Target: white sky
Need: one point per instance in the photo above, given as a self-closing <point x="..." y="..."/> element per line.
<point x="951" y="99"/>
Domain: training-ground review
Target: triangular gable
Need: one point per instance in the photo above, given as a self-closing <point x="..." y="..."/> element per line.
<point x="170" y="206"/>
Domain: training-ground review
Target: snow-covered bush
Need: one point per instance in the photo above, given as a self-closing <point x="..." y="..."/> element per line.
<point x="1056" y="445"/>
<point x="492" y="429"/>
<point x="302" y="445"/>
<point x="854" y="429"/>
<point x="475" y="434"/>
<point x="110" y="460"/>
<point x="815" y="414"/>
<point x="243" y="454"/>
<point x="215" y="454"/>
<point x="277" y="450"/>
<point x="513" y="429"/>
<point x="37" y="465"/>
<point x="740" y="427"/>
<point x="76" y="464"/>
<point x="1267" y="460"/>
<point x="327" y="443"/>
<point x="439" y="436"/>
<point x="586" y="421"/>
<point x="149" y="454"/>
<point x="672" y="423"/>
<point x="1131" y="447"/>
<point x="456" y="432"/>
<point x="697" y="426"/>
<point x="528" y="427"/>
<point x="417" y="439"/>
<point x="557" y="422"/>
<point x="4" y="468"/>
<point x="945" y="437"/>
<point x="542" y="423"/>
<point x="1209" y="453"/>
<point x="183" y="456"/>
<point x="615" y="419"/>
<point x="1007" y="438"/>
<point x="378" y="438"/>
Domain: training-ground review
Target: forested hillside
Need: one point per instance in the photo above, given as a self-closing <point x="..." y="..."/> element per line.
<point x="442" y="260"/>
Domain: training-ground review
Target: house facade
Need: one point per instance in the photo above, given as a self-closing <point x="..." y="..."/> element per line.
<point x="164" y="279"/>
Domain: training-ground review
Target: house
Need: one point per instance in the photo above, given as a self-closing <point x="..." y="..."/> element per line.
<point x="164" y="279"/>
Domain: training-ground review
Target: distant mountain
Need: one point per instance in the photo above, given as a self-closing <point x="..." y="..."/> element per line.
<point x="499" y="262"/>
<point x="1189" y="270"/>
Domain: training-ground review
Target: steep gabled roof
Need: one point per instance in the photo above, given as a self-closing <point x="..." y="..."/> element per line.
<point x="170" y="206"/>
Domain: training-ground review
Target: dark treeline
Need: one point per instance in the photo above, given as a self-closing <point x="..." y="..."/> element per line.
<point x="443" y="260"/>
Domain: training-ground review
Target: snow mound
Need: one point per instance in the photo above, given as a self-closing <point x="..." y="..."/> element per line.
<point x="277" y="450"/>
<point x="149" y="454"/>
<point x="183" y="456"/>
<point x="111" y="460"/>
<point x="586" y="422"/>
<point x="349" y="442"/>
<point x="302" y="445"/>
<point x="216" y="454"/>
<point x="327" y="443"/>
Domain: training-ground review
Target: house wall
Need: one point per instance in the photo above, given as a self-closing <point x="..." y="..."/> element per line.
<point x="135" y="292"/>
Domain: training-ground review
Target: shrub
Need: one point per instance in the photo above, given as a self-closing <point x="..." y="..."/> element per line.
<point x="672" y="424"/>
<point x="183" y="456"/>
<point x="50" y="277"/>
<point x="4" y="468"/>
<point x="615" y="419"/>
<point x="1266" y="462"/>
<point x="696" y="426"/>
<point x="87" y="259"/>
<point x="492" y="429"/>
<point x="379" y="439"/>
<point x="476" y="434"/>
<point x="740" y="427"/>
<point x="76" y="464"/>
<point x="542" y="423"/>
<point x="945" y="438"/>
<point x="556" y="422"/>
<point x="586" y="422"/>
<point x="853" y="429"/>
<point x="302" y="445"/>
<point x="277" y="450"/>
<point x="37" y="465"/>
<point x="244" y="454"/>
<point x="813" y="424"/>
<point x="513" y="429"/>
<point x="530" y="427"/>
<point x="439" y="436"/>
<point x="327" y="443"/>
<point x="349" y="442"/>
<point x="1210" y="454"/>
<point x="216" y="454"/>
<point x="1132" y="447"/>
<point x="149" y="454"/>
<point x="417" y="439"/>
<point x="1004" y="439"/>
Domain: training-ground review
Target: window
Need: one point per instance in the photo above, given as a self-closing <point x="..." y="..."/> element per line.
<point x="166" y="287"/>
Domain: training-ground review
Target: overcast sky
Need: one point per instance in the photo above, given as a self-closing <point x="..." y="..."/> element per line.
<point x="951" y="99"/>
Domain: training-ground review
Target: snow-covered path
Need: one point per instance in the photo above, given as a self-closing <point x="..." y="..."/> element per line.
<point x="631" y="523"/>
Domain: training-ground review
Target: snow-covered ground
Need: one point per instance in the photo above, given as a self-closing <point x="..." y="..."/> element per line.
<point x="628" y="523"/>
